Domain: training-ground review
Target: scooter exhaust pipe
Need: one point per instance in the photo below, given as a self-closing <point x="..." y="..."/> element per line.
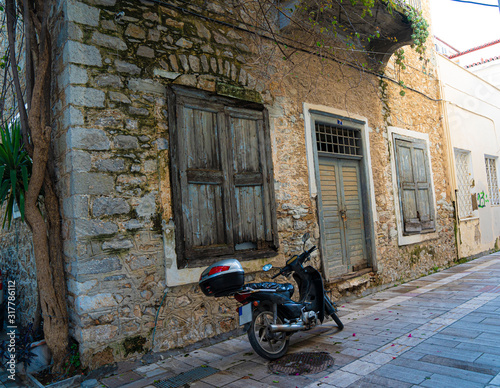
<point x="289" y="327"/>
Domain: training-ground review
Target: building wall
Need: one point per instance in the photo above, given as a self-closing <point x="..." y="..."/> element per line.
<point x="489" y="71"/>
<point x="17" y="263"/>
<point x="114" y="63"/>
<point x="473" y="125"/>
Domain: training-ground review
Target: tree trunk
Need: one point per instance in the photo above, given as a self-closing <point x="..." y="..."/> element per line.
<point x="47" y="238"/>
<point x="50" y="283"/>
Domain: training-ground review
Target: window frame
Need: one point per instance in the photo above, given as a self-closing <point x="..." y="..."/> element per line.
<point x="488" y="182"/>
<point x="411" y="223"/>
<point x="472" y="214"/>
<point x="424" y="138"/>
<point x="322" y="142"/>
<point x="227" y="107"/>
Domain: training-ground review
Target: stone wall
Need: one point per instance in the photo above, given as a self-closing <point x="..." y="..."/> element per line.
<point x="114" y="63"/>
<point x="17" y="263"/>
<point x="418" y="110"/>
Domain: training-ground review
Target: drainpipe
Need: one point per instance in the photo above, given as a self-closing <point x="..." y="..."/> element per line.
<point x="451" y="175"/>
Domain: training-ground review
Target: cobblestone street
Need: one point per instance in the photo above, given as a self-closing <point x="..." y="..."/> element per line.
<point x="442" y="330"/>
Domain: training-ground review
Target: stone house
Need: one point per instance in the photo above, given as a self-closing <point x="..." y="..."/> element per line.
<point x="183" y="137"/>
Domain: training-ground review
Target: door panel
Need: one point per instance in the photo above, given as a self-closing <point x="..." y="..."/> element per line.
<point x="332" y="227"/>
<point x="341" y="215"/>
<point x="355" y="238"/>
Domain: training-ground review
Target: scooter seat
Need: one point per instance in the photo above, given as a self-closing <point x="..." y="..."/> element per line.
<point x="279" y="287"/>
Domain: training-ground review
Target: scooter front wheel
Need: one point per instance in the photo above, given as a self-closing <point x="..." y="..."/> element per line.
<point x="266" y="344"/>
<point x="330" y="310"/>
<point x="336" y="319"/>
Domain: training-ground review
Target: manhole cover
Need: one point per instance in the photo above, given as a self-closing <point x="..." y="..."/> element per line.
<point x="302" y="363"/>
<point x="185" y="378"/>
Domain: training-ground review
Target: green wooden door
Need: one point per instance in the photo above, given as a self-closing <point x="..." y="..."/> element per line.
<point x="341" y="216"/>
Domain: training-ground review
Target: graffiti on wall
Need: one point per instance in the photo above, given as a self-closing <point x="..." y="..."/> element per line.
<point x="482" y="198"/>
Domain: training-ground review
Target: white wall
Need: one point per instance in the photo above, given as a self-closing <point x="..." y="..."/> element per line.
<point x="472" y="106"/>
<point x="489" y="71"/>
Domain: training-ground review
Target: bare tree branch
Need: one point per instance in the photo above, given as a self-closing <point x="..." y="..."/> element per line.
<point x="10" y="8"/>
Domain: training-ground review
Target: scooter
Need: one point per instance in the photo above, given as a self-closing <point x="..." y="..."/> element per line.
<point x="268" y="312"/>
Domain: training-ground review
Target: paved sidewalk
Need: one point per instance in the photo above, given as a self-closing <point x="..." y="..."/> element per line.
<point x="442" y="330"/>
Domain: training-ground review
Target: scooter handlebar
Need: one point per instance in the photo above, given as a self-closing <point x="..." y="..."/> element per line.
<point x="302" y="259"/>
<point x="306" y="254"/>
<point x="281" y="272"/>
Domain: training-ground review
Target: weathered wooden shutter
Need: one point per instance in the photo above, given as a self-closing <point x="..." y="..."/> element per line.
<point x="423" y="183"/>
<point x="414" y="186"/>
<point x="331" y="201"/>
<point x="354" y="225"/>
<point x="250" y="165"/>
<point x="222" y="178"/>
<point x="204" y="187"/>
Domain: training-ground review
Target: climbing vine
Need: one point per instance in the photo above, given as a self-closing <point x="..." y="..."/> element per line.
<point x="420" y="30"/>
<point x="419" y="37"/>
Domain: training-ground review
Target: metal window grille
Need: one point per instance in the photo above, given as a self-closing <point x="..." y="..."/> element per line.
<point x="334" y="139"/>
<point x="464" y="184"/>
<point x="491" y="174"/>
<point x="412" y="3"/>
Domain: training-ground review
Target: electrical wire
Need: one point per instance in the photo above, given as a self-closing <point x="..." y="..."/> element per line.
<point x="266" y="31"/>
<point x="473" y="2"/>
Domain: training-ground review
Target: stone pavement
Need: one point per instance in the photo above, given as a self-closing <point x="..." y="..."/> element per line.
<point x="442" y="330"/>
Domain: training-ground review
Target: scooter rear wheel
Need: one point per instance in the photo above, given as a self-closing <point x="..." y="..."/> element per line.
<point x="268" y="345"/>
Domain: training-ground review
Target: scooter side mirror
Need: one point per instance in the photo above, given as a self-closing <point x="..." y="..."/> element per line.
<point x="267" y="267"/>
<point x="305" y="237"/>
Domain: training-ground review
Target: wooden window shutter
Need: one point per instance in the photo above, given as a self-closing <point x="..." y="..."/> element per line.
<point x="222" y="178"/>
<point x="204" y="188"/>
<point x="414" y="187"/>
<point x="254" y="215"/>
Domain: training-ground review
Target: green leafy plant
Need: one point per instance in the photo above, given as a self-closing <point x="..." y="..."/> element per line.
<point x="73" y="362"/>
<point x="420" y="29"/>
<point x="23" y="339"/>
<point x="15" y="170"/>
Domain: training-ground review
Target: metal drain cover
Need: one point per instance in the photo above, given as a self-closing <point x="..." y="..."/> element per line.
<point x="302" y="363"/>
<point x="186" y="377"/>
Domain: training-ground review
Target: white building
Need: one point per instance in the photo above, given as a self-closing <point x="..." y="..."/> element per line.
<point x="483" y="60"/>
<point x="444" y="48"/>
<point x="471" y="106"/>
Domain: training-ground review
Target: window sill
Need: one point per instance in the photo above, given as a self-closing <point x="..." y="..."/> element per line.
<point x="466" y="219"/>
<point x="349" y="276"/>
<point x="184" y="276"/>
<point x="203" y="261"/>
<point x="416" y="238"/>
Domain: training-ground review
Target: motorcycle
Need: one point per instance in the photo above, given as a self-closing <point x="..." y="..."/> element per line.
<point x="269" y="313"/>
